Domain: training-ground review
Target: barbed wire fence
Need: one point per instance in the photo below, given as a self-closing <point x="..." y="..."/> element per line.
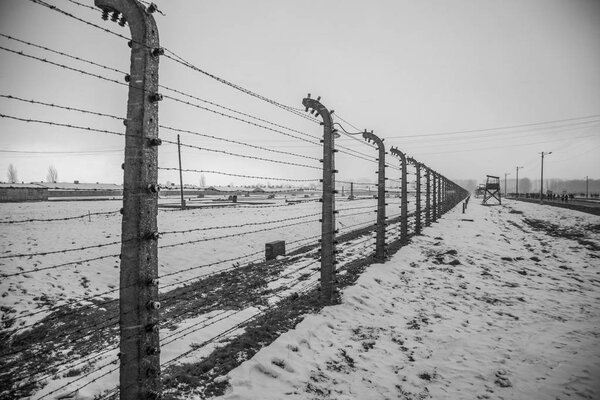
<point x="213" y="277"/>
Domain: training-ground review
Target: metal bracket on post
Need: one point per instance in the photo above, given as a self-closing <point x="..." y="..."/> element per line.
<point x="418" y="195"/>
<point x="139" y="370"/>
<point x="328" y="213"/>
<point x="404" y="192"/>
<point x="380" y="239"/>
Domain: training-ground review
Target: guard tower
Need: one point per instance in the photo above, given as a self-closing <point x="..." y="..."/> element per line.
<point x="492" y="189"/>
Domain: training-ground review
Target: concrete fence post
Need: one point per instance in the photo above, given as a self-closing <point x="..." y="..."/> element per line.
<point x="180" y="174"/>
<point x="418" y="224"/>
<point x="380" y="239"/>
<point x="443" y="195"/>
<point x="404" y="193"/>
<point x="439" y="199"/>
<point x="434" y="209"/>
<point x="427" y="196"/>
<point x="328" y="230"/>
<point x="139" y="346"/>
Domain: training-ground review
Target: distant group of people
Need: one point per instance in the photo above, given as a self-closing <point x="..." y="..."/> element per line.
<point x="562" y="197"/>
<point x="565" y="197"/>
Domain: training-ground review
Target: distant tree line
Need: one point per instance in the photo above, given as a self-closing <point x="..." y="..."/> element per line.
<point x="13" y="176"/>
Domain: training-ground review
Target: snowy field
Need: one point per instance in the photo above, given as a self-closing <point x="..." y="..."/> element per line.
<point x="210" y="235"/>
<point x="39" y="279"/>
<point x="491" y="304"/>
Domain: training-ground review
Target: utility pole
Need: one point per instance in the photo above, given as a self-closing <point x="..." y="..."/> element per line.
<point x="517" y="188"/>
<point x="328" y="230"/>
<point x="505" y="175"/>
<point x="139" y="354"/>
<point x="542" y="178"/>
<point x="180" y="175"/>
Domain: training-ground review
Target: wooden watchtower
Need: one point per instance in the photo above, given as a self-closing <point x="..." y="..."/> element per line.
<point x="492" y="189"/>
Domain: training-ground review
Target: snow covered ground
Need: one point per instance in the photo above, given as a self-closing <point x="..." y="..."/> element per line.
<point x="35" y="285"/>
<point x="192" y="238"/>
<point x="491" y="304"/>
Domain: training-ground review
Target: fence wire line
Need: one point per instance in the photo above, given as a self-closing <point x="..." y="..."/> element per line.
<point x="233" y="235"/>
<point x="38" y="102"/>
<point x="180" y="92"/>
<point x="103" y="294"/>
<point x="21" y="53"/>
<point x="69" y="250"/>
<point x="179" y="60"/>
<point x="237" y="175"/>
<point x="238" y="225"/>
<point x="60" y="219"/>
<point x="341" y="149"/>
<point x="59" y="265"/>
<point x="229" y="153"/>
<point x="236" y="142"/>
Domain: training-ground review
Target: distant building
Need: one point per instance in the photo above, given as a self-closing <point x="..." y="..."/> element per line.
<point x="19" y="192"/>
<point x="76" y="189"/>
<point x="11" y="192"/>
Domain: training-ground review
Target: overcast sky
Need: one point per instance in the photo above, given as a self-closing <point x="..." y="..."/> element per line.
<point x="468" y="87"/>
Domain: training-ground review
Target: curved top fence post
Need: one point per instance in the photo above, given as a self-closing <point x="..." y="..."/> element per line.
<point x="328" y="230"/>
<point x="380" y="238"/>
<point x="418" y="194"/>
<point x="139" y="347"/>
<point x="404" y="193"/>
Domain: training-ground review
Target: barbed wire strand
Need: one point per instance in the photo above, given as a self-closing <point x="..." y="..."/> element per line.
<point x="236" y="175"/>
<point x="229" y="153"/>
<point x="60" y="219"/>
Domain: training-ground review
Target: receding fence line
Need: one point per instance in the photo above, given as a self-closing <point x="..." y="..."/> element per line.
<point x="138" y="317"/>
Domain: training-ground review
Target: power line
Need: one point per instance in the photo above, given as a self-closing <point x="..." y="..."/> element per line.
<point x="508" y="145"/>
<point x="496" y="128"/>
<point x="501" y="136"/>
